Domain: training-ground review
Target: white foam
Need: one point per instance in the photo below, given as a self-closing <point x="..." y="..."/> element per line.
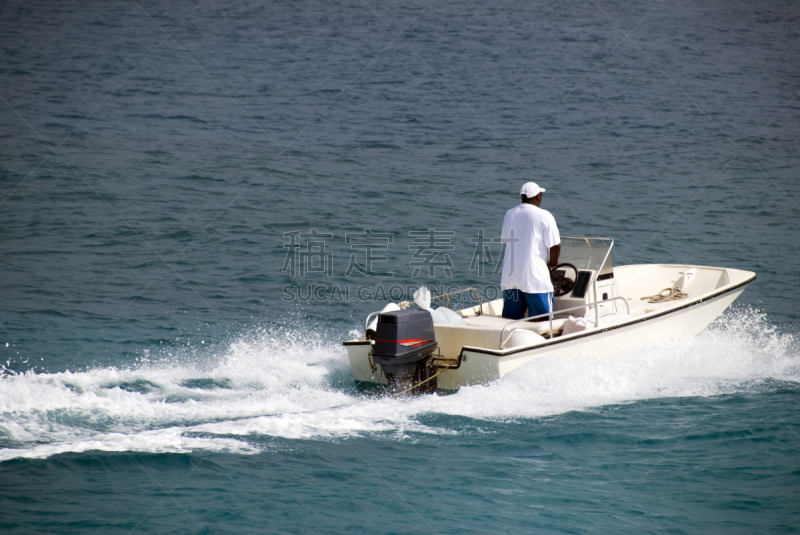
<point x="154" y="408"/>
<point x="279" y="385"/>
<point x="173" y="440"/>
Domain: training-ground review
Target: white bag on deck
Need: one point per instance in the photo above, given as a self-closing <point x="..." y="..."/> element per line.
<point x="574" y="325"/>
<point x="422" y="297"/>
<point x="445" y="316"/>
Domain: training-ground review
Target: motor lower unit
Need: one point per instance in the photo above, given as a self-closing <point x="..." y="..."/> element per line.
<point x="404" y="343"/>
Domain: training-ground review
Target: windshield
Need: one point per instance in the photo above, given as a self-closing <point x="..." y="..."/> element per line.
<point x="587" y="253"/>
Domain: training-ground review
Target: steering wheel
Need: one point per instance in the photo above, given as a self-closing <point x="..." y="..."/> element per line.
<point x="562" y="285"/>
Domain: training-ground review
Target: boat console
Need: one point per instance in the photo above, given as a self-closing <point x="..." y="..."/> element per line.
<point x="590" y="272"/>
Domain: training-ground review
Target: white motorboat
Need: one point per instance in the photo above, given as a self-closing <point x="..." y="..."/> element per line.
<point x="599" y="309"/>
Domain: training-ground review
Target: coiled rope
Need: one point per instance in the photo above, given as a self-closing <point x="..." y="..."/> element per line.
<point x="667" y="294"/>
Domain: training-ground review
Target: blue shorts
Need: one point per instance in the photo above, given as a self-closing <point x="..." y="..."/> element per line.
<point x="515" y="302"/>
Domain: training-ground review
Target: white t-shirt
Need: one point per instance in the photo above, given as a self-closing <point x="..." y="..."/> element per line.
<point x="529" y="233"/>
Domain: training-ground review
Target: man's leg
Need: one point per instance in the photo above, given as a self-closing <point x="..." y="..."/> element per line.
<point x="539" y="303"/>
<point x="514" y="304"/>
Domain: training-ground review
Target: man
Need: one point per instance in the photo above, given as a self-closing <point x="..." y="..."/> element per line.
<point x="532" y="249"/>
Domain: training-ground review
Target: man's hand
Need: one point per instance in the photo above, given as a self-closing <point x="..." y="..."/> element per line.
<point x="555" y="252"/>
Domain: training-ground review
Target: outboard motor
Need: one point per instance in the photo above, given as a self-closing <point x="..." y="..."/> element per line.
<point x="404" y="343"/>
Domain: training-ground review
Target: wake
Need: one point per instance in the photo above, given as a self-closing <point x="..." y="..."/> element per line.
<point x="296" y="385"/>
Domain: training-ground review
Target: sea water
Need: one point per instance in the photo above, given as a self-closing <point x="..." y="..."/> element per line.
<point x="171" y="362"/>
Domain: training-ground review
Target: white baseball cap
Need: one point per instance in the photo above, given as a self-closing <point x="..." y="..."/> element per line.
<point x="531" y="189"/>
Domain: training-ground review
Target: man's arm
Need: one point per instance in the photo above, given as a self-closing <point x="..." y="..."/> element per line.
<point x="554" y="252"/>
<point x="504" y="230"/>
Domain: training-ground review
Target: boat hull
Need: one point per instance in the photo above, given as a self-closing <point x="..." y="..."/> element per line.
<point x="476" y="365"/>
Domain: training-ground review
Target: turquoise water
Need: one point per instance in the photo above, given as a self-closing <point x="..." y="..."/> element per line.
<point x="163" y="372"/>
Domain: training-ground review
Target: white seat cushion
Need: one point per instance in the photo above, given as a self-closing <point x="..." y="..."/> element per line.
<point x="496" y="322"/>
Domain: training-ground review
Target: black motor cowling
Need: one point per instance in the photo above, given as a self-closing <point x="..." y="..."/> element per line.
<point x="404" y="343"/>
